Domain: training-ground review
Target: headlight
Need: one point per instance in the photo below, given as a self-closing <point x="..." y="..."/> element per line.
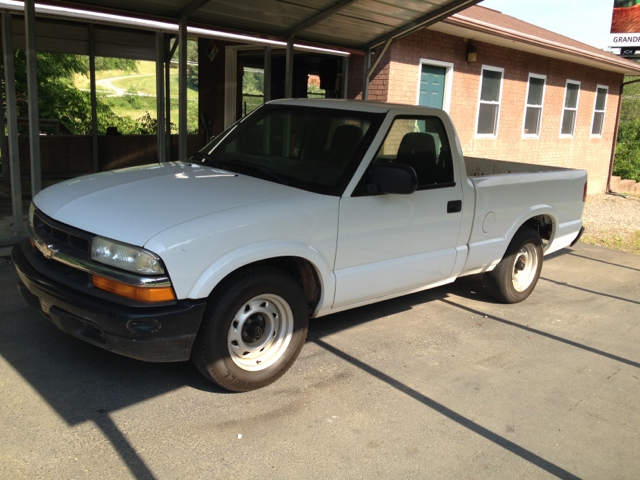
<point x="126" y="257"/>
<point x="32" y="209"/>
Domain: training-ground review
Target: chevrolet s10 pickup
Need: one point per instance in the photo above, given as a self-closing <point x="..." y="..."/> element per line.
<point x="301" y="209"/>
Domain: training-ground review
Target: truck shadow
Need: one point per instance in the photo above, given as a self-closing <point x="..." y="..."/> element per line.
<point x="83" y="383"/>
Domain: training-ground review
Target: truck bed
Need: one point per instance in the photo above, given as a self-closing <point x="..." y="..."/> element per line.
<point x="484" y="167"/>
<point x="508" y="193"/>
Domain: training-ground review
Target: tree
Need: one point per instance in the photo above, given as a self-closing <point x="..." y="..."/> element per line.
<point x="111" y="63"/>
<point x="58" y="99"/>
<point x="627" y="159"/>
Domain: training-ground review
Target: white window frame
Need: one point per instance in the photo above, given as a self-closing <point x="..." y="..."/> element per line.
<point x="526" y="104"/>
<point x="564" y="101"/>
<point x="499" y="102"/>
<point x="448" y="81"/>
<point x="604" y="112"/>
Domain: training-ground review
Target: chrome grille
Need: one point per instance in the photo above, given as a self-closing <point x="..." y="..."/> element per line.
<point x="62" y="237"/>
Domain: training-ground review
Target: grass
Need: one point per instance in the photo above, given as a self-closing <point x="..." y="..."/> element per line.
<point x="122" y="107"/>
<point x="147" y="84"/>
<point x="82" y="81"/>
<point x="626" y="243"/>
<point x="138" y="106"/>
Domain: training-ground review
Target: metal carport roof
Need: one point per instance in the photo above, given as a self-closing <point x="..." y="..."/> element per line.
<point x="357" y="25"/>
<point x="352" y="24"/>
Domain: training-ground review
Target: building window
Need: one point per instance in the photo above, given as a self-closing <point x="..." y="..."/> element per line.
<point x="598" y="110"/>
<point x="533" y="106"/>
<point x="489" y="102"/>
<point x="570" y="113"/>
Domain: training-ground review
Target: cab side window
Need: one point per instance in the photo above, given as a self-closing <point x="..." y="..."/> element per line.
<point x="422" y="144"/>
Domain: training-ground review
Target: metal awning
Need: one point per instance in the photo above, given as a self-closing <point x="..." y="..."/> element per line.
<point x="352" y="24"/>
<point x="355" y="25"/>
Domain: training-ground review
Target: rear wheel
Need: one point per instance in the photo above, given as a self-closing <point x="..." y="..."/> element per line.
<point x="253" y="329"/>
<point x="515" y="277"/>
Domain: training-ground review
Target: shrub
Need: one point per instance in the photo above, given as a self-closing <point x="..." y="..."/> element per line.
<point x="627" y="160"/>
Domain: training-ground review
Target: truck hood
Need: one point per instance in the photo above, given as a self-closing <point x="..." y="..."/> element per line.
<point x="134" y="204"/>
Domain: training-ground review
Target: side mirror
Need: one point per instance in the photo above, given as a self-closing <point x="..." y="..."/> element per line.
<point x="394" y="178"/>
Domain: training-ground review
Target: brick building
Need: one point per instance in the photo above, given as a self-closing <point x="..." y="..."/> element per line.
<point x="529" y="95"/>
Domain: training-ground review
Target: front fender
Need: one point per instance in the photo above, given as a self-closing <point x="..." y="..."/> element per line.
<point x="253" y="253"/>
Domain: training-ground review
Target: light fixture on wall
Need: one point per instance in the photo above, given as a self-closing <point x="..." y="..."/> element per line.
<point x="472" y="53"/>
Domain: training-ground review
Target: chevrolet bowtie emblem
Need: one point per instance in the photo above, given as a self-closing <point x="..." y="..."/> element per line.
<point x="47" y="251"/>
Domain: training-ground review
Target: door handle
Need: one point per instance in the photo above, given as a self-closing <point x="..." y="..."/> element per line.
<point x="454" y="206"/>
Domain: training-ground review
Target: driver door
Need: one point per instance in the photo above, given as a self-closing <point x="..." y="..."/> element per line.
<point x="394" y="243"/>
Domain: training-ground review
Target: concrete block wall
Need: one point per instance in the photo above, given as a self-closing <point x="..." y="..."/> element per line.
<point x="401" y="76"/>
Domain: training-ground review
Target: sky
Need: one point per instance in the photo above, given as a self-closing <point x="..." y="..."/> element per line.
<point x="587" y="21"/>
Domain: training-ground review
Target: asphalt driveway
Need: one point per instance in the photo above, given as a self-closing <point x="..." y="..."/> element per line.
<point x="441" y="384"/>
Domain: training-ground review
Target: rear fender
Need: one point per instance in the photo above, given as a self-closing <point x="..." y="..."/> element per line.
<point x="485" y="255"/>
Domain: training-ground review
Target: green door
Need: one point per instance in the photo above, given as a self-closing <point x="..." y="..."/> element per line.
<point x="432" y="86"/>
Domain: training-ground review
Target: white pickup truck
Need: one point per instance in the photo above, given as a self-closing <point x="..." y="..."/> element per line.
<point x="301" y="209"/>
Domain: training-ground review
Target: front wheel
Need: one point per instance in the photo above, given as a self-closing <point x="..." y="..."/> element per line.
<point x="515" y="277"/>
<point x="253" y="329"/>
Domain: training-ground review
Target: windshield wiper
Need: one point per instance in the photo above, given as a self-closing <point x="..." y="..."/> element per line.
<point x="267" y="174"/>
<point x="207" y="159"/>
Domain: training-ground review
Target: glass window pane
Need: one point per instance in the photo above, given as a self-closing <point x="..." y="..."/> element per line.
<point x="601" y="99"/>
<point x="572" y="95"/>
<point x="487" y="119"/>
<point x="536" y="87"/>
<point x="598" y="120"/>
<point x="490" y="86"/>
<point x="568" y="122"/>
<point x="532" y="121"/>
<point x="422" y="144"/>
<point x="305" y="147"/>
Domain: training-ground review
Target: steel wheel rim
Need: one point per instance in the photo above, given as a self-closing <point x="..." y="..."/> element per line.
<point x="260" y="332"/>
<point x="525" y="267"/>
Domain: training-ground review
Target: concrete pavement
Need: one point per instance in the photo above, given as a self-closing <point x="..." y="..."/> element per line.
<point x="441" y="384"/>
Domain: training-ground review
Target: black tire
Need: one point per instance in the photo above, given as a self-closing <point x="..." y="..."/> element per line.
<point x="256" y="308"/>
<point x="515" y="277"/>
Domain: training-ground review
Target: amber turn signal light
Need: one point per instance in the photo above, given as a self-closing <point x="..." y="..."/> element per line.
<point x="142" y="294"/>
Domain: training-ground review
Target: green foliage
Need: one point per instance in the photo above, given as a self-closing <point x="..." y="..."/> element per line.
<point x="253" y="82"/>
<point x="630" y="100"/>
<point x="110" y="63"/>
<point x="192" y="77"/>
<point x="133" y="98"/>
<point x="627" y="162"/>
<point x="59" y="99"/>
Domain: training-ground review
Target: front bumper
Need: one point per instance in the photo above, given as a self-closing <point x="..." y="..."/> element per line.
<point x="150" y="333"/>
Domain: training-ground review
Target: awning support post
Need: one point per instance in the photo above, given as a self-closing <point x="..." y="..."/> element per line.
<point x="162" y="144"/>
<point x="365" y="75"/>
<point x="345" y="76"/>
<point x="267" y="73"/>
<point x="12" y="122"/>
<point x="379" y="56"/>
<point x="94" y="99"/>
<point x="4" y="156"/>
<point x="182" y="96"/>
<point x="32" y="92"/>
<point x="288" y="83"/>
<point x="167" y="75"/>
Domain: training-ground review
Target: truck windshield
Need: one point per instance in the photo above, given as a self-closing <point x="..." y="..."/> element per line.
<point x="312" y="148"/>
